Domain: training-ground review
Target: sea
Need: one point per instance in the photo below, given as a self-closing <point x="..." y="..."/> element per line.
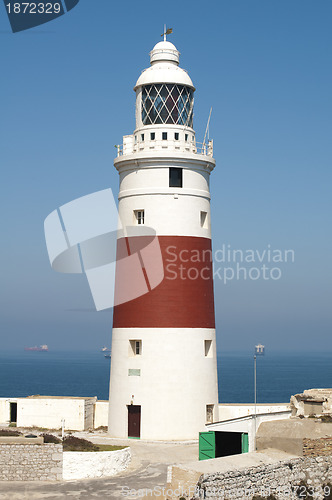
<point x="57" y="373"/>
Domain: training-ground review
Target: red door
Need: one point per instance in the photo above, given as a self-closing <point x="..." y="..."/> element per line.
<point x="134" y="421"/>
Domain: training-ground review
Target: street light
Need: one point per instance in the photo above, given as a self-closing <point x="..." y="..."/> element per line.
<point x="259" y="351"/>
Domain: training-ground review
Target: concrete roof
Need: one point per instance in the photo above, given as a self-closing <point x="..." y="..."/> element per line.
<point x="295" y="428"/>
<point x="236" y="462"/>
<point x="248" y="417"/>
<point x="253" y="404"/>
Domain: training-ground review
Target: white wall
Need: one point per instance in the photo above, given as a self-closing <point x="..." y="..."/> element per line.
<point x="101" y="414"/>
<point x="147" y="188"/>
<point x="4" y="411"/>
<point x="233" y="410"/>
<point x="48" y="413"/>
<point x="83" y="465"/>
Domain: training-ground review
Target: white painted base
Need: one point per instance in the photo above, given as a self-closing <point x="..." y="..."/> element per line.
<point x="175" y="384"/>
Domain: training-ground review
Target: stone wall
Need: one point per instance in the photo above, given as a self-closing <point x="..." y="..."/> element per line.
<point x="312" y="402"/>
<point x="30" y="462"/>
<point x="316" y="447"/>
<point x="286" y="479"/>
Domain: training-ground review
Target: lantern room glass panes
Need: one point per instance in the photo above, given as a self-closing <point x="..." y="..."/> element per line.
<point x="167" y="103"/>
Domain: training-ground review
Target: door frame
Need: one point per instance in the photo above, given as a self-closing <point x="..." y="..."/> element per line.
<point x="138" y="414"/>
<point x="12" y="412"/>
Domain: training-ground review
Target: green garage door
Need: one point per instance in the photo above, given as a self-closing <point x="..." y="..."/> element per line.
<point x="245" y="443"/>
<point x="207" y="445"/>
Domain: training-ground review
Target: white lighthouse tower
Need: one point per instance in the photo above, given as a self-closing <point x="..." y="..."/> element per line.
<point x="163" y="382"/>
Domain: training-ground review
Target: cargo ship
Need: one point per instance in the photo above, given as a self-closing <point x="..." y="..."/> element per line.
<point x="41" y="348"/>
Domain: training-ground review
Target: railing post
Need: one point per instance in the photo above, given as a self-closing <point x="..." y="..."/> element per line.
<point x="210" y="148"/>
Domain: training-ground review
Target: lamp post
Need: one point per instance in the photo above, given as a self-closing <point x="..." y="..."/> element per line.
<point x="255" y="397"/>
<point x="259" y="351"/>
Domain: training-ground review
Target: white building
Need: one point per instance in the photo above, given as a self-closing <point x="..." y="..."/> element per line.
<point x="163" y="381"/>
<point x="51" y="412"/>
<point x="229" y="433"/>
<point x="83" y="413"/>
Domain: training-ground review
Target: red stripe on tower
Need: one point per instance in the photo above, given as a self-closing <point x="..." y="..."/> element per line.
<point x="184" y="298"/>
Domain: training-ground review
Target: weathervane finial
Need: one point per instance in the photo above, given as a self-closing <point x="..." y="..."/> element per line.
<point x="166" y="32"/>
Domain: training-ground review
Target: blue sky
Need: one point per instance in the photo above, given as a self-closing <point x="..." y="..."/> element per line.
<point x="66" y="99"/>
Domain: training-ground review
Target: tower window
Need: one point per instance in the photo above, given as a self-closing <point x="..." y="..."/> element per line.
<point x="139" y="216"/>
<point x="204" y="220"/>
<point x="175" y="177"/>
<point x="152" y="136"/>
<point x="176" y="136"/>
<point x="142" y="137"/>
<point x="186" y="137"/>
<point x="208" y="348"/>
<point x="135" y="348"/>
<point x="164" y="136"/>
<point x="209" y="414"/>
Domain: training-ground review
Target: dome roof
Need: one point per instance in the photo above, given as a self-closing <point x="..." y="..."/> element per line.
<point x="164" y="58"/>
<point x="162" y="73"/>
<point x="164" y="51"/>
<point x="165" y="44"/>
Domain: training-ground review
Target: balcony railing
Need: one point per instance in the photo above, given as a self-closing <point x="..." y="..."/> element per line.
<point x="129" y="147"/>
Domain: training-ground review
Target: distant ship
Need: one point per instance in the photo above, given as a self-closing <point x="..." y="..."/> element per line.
<point x="105" y="349"/>
<point x="41" y="348"/>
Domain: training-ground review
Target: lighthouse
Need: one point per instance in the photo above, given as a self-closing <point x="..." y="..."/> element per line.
<point x="163" y="382"/>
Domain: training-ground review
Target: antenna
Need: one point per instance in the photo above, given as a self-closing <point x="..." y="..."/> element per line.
<point x="207" y="127"/>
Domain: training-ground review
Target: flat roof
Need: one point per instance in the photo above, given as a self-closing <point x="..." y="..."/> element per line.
<point x="253" y="404"/>
<point x="37" y="396"/>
